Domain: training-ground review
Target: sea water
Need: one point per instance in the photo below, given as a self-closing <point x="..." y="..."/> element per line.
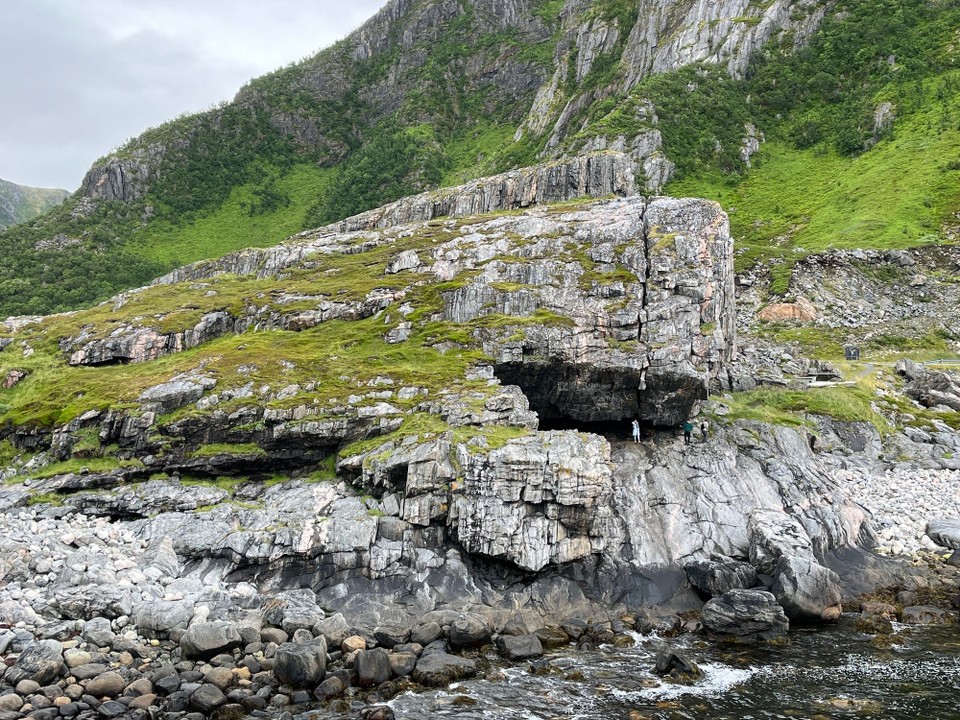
<point x="822" y="674"/>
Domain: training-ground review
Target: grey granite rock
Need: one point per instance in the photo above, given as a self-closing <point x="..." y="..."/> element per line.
<point x="945" y="532"/>
<point x="301" y="665"/>
<point x="745" y="616"/>
<point x="439" y="669"/>
<point x="717" y="575"/>
<point x="206" y="639"/>
<point x="519" y="647"/>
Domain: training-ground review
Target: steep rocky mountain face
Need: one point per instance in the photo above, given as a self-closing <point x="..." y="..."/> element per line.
<point x="424" y="94"/>
<point x="19" y="203"/>
<point x="380" y="71"/>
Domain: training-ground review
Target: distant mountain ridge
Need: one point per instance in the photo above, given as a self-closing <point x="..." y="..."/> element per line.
<point x="786" y="94"/>
<point x="19" y="203"/>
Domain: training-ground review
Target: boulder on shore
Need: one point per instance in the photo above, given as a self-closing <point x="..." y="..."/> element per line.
<point x="806" y="590"/>
<point x="439" y="668"/>
<point x="745" y="616"/>
<point x="519" y="647"/>
<point x="204" y="640"/>
<point x="945" y="533"/>
<point x="717" y="575"/>
<point x="301" y="665"/>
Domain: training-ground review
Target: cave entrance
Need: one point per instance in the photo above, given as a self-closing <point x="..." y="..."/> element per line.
<point x="584" y="397"/>
<point x="603" y="399"/>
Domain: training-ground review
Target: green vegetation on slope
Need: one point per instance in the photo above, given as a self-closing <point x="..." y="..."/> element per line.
<point x="830" y="175"/>
<point x="19" y="203"/>
<point x="782" y="406"/>
<point x="436" y="356"/>
<point x="294" y="150"/>
<point x="254" y="215"/>
<point x="798" y="202"/>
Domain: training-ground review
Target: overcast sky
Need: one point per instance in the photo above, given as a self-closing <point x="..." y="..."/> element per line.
<point x="80" y="77"/>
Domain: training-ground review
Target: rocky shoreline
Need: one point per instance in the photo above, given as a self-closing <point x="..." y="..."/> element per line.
<point x="415" y="457"/>
<point x="153" y="635"/>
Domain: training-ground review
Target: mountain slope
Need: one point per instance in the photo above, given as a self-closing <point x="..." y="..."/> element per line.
<point x="439" y="91"/>
<point x="19" y="203"/>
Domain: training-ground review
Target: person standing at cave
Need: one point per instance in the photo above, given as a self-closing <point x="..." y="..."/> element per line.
<point x="687" y="432"/>
<point x="635" y="427"/>
<point x="704" y="429"/>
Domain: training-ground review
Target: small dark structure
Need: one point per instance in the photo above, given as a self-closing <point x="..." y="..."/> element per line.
<point x="851" y="352"/>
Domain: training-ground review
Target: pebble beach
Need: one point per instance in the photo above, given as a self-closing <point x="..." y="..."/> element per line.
<point x="902" y="500"/>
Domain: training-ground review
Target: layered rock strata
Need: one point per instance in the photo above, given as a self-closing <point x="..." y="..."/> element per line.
<point x="642" y="293"/>
<point x="502" y="491"/>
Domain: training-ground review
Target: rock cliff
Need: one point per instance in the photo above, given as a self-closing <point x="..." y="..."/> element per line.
<point x="408" y="431"/>
<point x="633" y="297"/>
<point x="391" y="52"/>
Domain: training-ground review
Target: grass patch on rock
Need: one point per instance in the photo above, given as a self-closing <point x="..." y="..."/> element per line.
<point x="79" y="466"/>
<point x="784" y="406"/>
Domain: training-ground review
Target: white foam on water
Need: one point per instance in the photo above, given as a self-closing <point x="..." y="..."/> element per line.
<point x="716" y="680"/>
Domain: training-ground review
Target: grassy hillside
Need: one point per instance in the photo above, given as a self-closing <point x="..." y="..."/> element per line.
<point x="19" y="203"/>
<point x="329" y="137"/>
<point x="828" y="177"/>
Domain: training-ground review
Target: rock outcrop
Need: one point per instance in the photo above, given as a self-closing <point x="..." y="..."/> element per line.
<point x="439" y="453"/>
<point x="124" y="177"/>
<point x="590" y="175"/>
<point x="745" y="616"/>
<point x="641" y="292"/>
<point x="928" y="387"/>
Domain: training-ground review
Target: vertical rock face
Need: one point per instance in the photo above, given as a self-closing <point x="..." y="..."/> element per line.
<point x="665" y="36"/>
<point x="675" y="320"/>
<point x="595" y="175"/>
<point x="669" y="35"/>
<point x="565" y="476"/>
<point x="124" y="177"/>
<point x="689" y="294"/>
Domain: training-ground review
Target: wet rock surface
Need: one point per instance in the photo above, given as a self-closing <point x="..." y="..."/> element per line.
<point x="745" y="616"/>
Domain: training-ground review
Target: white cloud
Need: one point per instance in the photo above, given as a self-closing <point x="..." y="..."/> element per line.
<point x="82" y="77"/>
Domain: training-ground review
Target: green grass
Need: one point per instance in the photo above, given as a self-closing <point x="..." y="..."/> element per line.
<point x="75" y="465"/>
<point x="472" y="153"/>
<point x="813" y="340"/>
<point x="800" y="202"/>
<point x="48" y="498"/>
<point x="326" y="471"/>
<point x="226" y="484"/>
<point x="931" y="345"/>
<point x="7" y="453"/>
<point x="424" y="426"/>
<point x="232" y="226"/>
<point x="781" y="406"/>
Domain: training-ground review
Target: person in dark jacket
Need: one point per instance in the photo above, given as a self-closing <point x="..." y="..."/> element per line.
<point x="687" y="432"/>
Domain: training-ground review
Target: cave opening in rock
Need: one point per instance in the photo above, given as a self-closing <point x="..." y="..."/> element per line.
<point x="604" y="399"/>
<point x="588" y="398"/>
